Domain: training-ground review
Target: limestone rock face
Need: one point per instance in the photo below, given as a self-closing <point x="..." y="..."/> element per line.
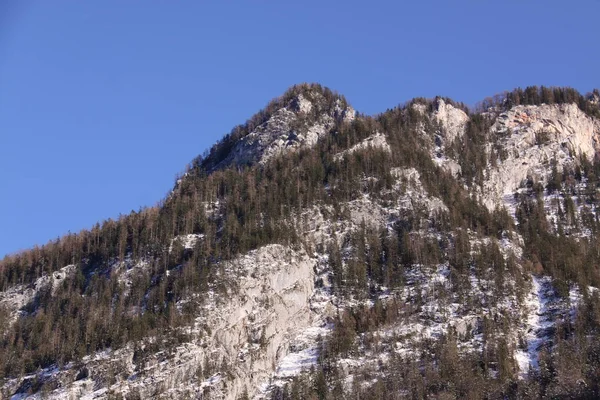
<point x="243" y="331"/>
<point x="532" y="136"/>
<point x="299" y="124"/>
<point x="251" y="326"/>
<point x="453" y="120"/>
<point x="261" y="318"/>
<point x="17" y="297"/>
<point x="375" y="141"/>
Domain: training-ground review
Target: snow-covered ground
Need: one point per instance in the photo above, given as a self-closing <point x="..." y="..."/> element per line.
<point x="375" y="141"/>
<point x="186" y="241"/>
<point x="536" y="304"/>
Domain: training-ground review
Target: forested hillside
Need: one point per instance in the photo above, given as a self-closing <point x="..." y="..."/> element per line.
<point x="315" y="252"/>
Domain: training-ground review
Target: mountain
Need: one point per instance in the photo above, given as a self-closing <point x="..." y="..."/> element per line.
<point x="431" y="250"/>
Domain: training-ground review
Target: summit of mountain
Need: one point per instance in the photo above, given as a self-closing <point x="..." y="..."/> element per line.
<point x="297" y="119"/>
<point x="315" y="252"/>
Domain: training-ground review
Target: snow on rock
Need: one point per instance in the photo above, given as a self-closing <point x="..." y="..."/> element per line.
<point x="453" y="120"/>
<point x="292" y="364"/>
<point x="364" y="211"/>
<point x="304" y="105"/>
<point x="213" y="380"/>
<point x="304" y="348"/>
<point x="446" y="163"/>
<point x="420" y="108"/>
<point x="534" y="304"/>
<point x="55" y="279"/>
<point x="267" y="140"/>
<point x="258" y="317"/>
<point x="377" y="140"/>
<point x="414" y="196"/>
<point x="542" y="309"/>
<point x="532" y="136"/>
<point x="346" y="114"/>
<point x="289" y="128"/>
<point x="304" y="353"/>
<point x="186" y="241"/>
<point x="126" y="270"/>
<point x="17" y="297"/>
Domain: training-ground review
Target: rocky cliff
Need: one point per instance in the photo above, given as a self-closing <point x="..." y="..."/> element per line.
<point x="379" y="262"/>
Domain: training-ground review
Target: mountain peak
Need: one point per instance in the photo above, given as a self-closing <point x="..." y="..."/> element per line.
<point x="419" y="231"/>
<point x="298" y="118"/>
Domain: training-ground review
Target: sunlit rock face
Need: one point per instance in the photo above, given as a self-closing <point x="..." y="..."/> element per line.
<point x="534" y="136"/>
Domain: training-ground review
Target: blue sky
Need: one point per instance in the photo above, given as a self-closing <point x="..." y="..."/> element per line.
<point x="103" y="102"/>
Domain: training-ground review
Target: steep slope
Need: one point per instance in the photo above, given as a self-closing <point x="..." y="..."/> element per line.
<point x="534" y="136"/>
<point x="298" y="119"/>
<point x="317" y="253"/>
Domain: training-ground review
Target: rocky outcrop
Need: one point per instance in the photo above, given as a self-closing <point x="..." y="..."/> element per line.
<point x="375" y="141"/>
<point x="16" y="298"/>
<point x="452" y="120"/>
<point x="252" y="330"/>
<point x="531" y="137"/>
<point x="299" y="124"/>
<point x="262" y="318"/>
<point x="243" y="330"/>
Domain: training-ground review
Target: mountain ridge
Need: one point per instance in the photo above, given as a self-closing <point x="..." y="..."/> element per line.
<point x="309" y="235"/>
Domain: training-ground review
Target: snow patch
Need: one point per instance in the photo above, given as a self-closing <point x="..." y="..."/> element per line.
<point x="186" y="241"/>
<point x="376" y="140"/>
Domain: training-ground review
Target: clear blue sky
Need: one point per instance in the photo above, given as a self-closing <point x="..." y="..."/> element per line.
<point x="103" y="102"/>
